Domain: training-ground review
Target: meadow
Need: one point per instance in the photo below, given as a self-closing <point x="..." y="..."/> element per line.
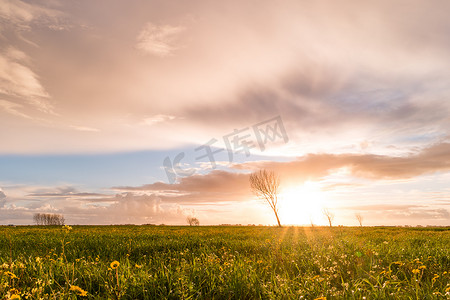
<point x="248" y="262"/>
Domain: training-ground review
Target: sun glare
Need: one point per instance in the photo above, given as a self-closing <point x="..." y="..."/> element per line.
<point x="301" y="205"/>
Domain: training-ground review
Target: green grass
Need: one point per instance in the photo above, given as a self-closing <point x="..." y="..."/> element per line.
<point x="165" y="262"/>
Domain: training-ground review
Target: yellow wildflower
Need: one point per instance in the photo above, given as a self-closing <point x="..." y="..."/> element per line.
<point x="13" y="291"/>
<point x="416" y="271"/>
<point x="67" y="227"/>
<point x="436" y="276"/>
<point x="318" y="278"/>
<point x="138" y="266"/>
<point x="115" y="264"/>
<point x="321" y="298"/>
<point x="447" y="289"/>
<point x="11" y="275"/>
<point x="20" y="265"/>
<point x="422" y="267"/>
<point x="15" y="297"/>
<point x="79" y="291"/>
<point x="4" y="266"/>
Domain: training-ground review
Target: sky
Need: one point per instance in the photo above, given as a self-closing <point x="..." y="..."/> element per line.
<point x="149" y="112"/>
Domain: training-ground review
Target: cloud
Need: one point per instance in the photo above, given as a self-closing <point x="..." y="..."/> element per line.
<point x="220" y="186"/>
<point x="312" y="166"/>
<point x="157" y="119"/>
<point x="17" y="12"/>
<point x="19" y="15"/>
<point x="137" y="207"/>
<point x="84" y="128"/>
<point x="144" y="209"/>
<point x="2" y="199"/>
<point x="13" y="108"/>
<point x="336" y="81"/>
<point x="19" y="81"/>
<point x="216" y="197"/>
<point x="79" y="207"/>
<point x="215" y="187"/>
<point x="334" y="186"/>
<point x="320" y="116"/>
<point x="159" y="40"/>
<point x="413" y="213"/>
<point x="384" y="207"/>
<point x="66" y="192"/>
<point x="428" y="214"/>
<point x="126" y="208"/>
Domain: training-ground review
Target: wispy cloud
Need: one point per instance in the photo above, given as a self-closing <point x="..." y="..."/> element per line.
<point x="62" y="192"/>
<point x="20" y="15"/>
<point x="84" y="128"/>
<point x="13" y="109"/>
<point x="17" y="12"/>
<point x="157" y="119"/>
<point x="159" y="40"/>
<point x="18" y="80"/>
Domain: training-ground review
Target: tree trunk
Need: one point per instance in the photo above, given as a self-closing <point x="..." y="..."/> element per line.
<point x="278" y="219"/>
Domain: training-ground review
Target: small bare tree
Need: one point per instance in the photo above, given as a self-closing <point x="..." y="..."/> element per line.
<point x="193" y="221"/>
<point x="359" y="217"/>
<point x="265" y="185"/>
<point x="329" y="215"/>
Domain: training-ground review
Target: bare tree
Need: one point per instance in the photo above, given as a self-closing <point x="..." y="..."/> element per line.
<point x="48" y="219"/>
<point x="329" y="215"/>
<point x="359" y="217"/>
<point x="193" y="221"/>
<point x="265" y="185"/>
<point x="37" y="219"/>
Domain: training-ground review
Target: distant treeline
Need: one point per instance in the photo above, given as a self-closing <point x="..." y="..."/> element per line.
<point x="48" y="219"/>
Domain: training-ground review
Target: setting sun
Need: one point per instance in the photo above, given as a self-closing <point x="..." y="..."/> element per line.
<point x="300" y="205"/>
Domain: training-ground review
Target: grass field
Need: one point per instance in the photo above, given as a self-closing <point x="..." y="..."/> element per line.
<point x="165" y="262"/>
